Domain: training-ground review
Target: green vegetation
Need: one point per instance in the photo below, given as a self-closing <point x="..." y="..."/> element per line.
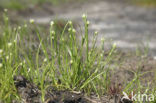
<point x="145" y="2"/>
<point x="57" y="58"/>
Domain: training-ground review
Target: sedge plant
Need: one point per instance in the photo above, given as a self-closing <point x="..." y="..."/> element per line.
<point x="60" y="60"/>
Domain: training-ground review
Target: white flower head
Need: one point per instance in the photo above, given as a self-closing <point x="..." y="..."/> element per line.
<point x="70" y="22"/>
<point x="101" y="55"/>
<point x="88" y="22"/>
<point x="1" y="51"/>
<point x="69" y="29"/>
<point x="84" y="16"/>
<point x="71" y="61"/>
<point x="7" y="57"/>
<point x="10" y="54"/>
<point x="74" y="31"/>
<point x="114" y="45"/>
<point x="45" y="60"/>
<point x="9" y="44"/>
<point x="96" y="32"/>
<point x="19" y="27"/>
<point x="51" y="23"/>
<point x="1" y="65"/>
<point x="15" y="41"/>
<point x="53" y="32"/>
<point x="28" y="70"/>
<point x="21" y="64"/>
<point x="31" y="21"/>
<point x="5" y="10"/>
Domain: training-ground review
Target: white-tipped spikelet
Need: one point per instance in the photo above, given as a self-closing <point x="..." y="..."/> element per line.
<point x="15" y="41"/>
<point x="101" y="54"/>
<point x="28" y="70"/>
<point x="53" y="32"/>
<point x="51" y="23"/>
<point x="114" y="45"/>
<point x="1" y="51"/>
<point x="9" y="44"/>
<point x="1" y="65"/>
<point x="71" y="61"/>
<point x="7" y="57"/>
<point x="19" y="27"/>
<point x="5" y="10"/>
<point x="31" y="21"/>
<point x="88" y="22"/>
<point x="45" y="60"/>
<point x="84" y="16"/>
<point x="74" y="31"/>
<point x="70" y="22"/>
<point x="21" y="64"/>
<point x="69" y="29"/>
<point x="96" y="32"/>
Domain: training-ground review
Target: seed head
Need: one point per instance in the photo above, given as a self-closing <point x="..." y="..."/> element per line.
<point x="71" y="61"/>
<point x="1" y="51"/>
<point x="51" y="23"/>
<point x="88" y="22"/>
<point x="53" y="32"/>
<point x="9" y="44"/>
<point x="7" y="57"/>
<point x="28" y="69"/>
<point x="84" y="16"/>
<point x="5" y="10"/>
<point x="69" y="29"/>
<point x="21" y="64"/>
<point x="70" y="22"/>
<point x="96" y="32"/>
<point x="31" y="21"/>
<point x="74" y="31"/>
<point x="45" y="60"/>
<point x="15" y="41"/>
<point x="101" y="55"/>
<point x="19" y="27"/>
<point x="1" y="65"/>
<point x="114" y="45"/>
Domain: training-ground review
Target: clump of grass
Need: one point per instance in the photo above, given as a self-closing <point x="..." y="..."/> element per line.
<point x="59" y="60"/>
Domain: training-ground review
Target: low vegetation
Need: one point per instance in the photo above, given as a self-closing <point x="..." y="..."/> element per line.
<point x="59" y="59"/>
<point x="62" y="60"/>
<point x="145" y="2"/>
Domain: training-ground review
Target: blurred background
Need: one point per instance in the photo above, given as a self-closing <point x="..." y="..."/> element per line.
<point x="129" y="23"/>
